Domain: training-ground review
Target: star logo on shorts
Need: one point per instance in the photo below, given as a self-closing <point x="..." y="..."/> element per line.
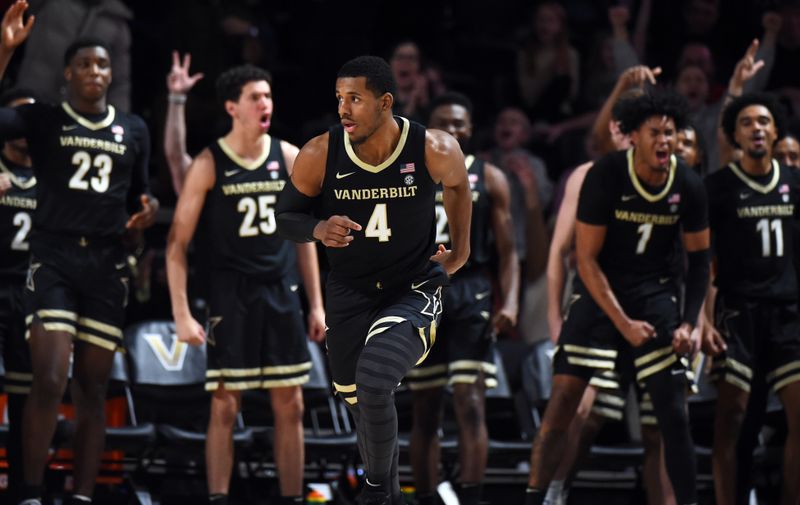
<point x="212" y="323"/>
<point x="31" y="272"/>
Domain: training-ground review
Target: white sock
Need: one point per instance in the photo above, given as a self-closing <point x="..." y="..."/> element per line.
<point x="553" y="496"/>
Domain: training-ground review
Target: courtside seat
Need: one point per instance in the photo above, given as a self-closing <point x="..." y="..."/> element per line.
<point x="328" y="433"/>
<point x="168" y="389"/>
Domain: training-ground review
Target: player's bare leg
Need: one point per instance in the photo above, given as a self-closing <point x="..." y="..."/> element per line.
<point x="790" y="397"/>
<point x="225" y="405"/>
<point x="728" y="419"/>
<point x="287" y="406"/>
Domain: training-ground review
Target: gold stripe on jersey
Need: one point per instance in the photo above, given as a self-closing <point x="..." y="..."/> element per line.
<point x="391" y="159"/>
<point x="782" y="370"/>
<point x="247" y="165"/>
<point x="99" y="125"/>
<point x="286" y="369"/>
<point x="638" y="185"/>
<point x="761" y="188"/>
<point x="57" y="314"/>
<point x="105" y="328"/>
<point x="426" y="371"/>
<point x="469" y="160"/>
<point x="16" y="182"/>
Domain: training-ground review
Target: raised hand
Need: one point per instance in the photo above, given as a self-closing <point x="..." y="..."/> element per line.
<point x="745" y="69"/>
<point x="179" y="81"/>
<point x="14" y="30"/>
<point x="638" y="76"/>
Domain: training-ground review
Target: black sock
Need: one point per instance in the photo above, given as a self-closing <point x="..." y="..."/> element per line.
<point x="534" y="496"/>
<point x="469" y="493"/>
<point x="292" y="500"/>
<point x="218" y="499"/>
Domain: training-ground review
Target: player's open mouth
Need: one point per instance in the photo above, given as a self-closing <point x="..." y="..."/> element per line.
<point x="265" y="121"/>
<point x="759" y="141"/>
<point x="662" y="157"/>
<point x="349" y="126"/>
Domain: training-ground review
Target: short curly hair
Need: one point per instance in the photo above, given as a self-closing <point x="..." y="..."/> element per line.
<point x="633" y="112"/>
<point x="230" y="83"/>
<point x="733" y="109"/>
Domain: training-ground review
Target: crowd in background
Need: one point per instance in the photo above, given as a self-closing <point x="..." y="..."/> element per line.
<point x="538" y="74"/>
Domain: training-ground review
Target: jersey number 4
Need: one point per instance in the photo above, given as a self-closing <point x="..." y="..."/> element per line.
<point x="83" y="160"/>
<point x="266" y="215"/>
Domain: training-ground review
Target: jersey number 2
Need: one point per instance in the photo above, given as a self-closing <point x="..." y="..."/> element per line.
<point x="102" y="162"/>
<point x="20" y="241"/>
<point x="442" y="235"/>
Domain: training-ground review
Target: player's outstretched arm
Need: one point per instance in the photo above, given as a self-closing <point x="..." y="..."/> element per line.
<point x="445" y="163"/>
<point x="199" y="181"/>
<point x="560" y="247"/>
<point x="179" y="83"/>
<point x="502" y="227"/>
<point x="637" y="76"/>
<point x="308" y="265"/>
<point x="14" y="32"/>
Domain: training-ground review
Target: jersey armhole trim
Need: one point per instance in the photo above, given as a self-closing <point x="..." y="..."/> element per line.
<point x="15" y="180"/>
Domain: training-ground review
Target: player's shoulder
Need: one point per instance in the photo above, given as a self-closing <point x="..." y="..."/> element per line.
<point x="315" y="149"/>
<point x="287" y="148"/>
<point x="687" y="174"/>
<point x="439" y="142"/>
<point x="719" y="178"/>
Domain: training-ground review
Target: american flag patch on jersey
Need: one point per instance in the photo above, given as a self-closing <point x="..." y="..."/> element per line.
<point x="273" y="165"/>
<point x="473" y="178"/>
<point x="783" y="189"/>
<point x="406" y="168"/>
<point x="676" y="198"/>
<point x="117" y="130"/>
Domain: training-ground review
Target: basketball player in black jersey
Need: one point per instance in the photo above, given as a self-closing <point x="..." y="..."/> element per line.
<point x="366" y="190"/>
<point x="462" y="357"/>
<point x="257" y="339"/>
<point x="753" y="207"/>
<point x="17" y="205"/>
<point x="632" y="208"/>
<point x="91" y="169"/>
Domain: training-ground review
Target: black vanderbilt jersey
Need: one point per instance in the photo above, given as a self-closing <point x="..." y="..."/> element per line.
<point x="481" y="238"/>
<point x="393" y="202"/>
<point x="238" y="221"/>
<point x="90" y="169"/>
<point x="752" y="226"/>
<point x="642" y="223"/>
<point x="16" y="219"/>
